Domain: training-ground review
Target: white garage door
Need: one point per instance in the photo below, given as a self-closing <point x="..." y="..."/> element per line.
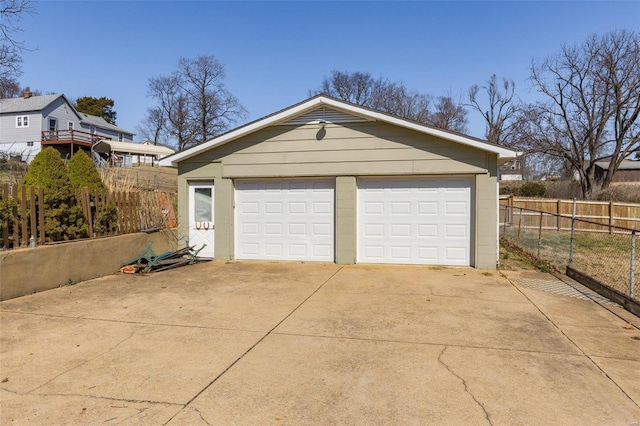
<point x="285" y="219"/>
<point x="414" y="220"/>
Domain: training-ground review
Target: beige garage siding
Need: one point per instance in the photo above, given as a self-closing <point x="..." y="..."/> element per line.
<point x="343" y="152"/>
<point x="359" y="148"/>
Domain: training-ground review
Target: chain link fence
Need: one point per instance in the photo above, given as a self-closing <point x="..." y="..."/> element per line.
<point x="603" y="252"/>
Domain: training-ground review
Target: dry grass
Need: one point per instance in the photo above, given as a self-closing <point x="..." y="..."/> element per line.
<point x="148" y="183"/>
<point x="627" y="192"/>
<point x="12" y="172"/>
<point x="602" y="256"/>
<point x="140" y="178"/>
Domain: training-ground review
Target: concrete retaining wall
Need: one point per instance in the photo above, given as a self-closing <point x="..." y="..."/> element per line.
<point x="26" y="271"/>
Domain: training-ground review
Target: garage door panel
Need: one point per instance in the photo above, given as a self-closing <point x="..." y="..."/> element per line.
<point x="249" y="248"/>
<point x="249" y="207"/>
<point x="427" y="231"/>
<point x="455" y="231"/>
<point x="414" y="220"/>
<point x="250" y="228"/>
<point x="428" y="254"/>
<point x="322" y="250"/>
<point x="322" y="229"/>
<point x="322" y="207"/>
<point x="456" y="208"/>
<point x="273" y="207"/>
<point x="285" y="219"/>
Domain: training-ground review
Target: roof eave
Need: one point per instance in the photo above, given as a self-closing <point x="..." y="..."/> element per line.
<point x="173" y="160"/>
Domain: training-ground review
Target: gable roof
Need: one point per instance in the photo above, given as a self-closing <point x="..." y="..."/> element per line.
<point x="93" y="120"/>
<point x="624" y="165"/>
<point x="286" y="116"/>
<point x="34" y="103"/>
<point x="38" y="103"/>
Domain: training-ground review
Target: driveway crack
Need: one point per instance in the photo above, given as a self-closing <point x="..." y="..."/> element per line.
<point x="464" y="383"/>
<point x="201" y="416"/>
<point x="267" y="334"/>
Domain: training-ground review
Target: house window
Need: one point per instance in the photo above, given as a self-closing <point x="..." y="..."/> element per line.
<point x="70" y="125"/>
<point x="30" y="143"/>
<point x="120" y="137"/>
<point x="53" y="124"/>
<point x="22" y="121"/>
<point x="92" y="130"/>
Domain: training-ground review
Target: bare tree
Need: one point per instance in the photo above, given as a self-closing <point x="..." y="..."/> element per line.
<point x="449" y="115"/>
<point x="153" y="126"/>
<point x="592" y="103"/>
<point x="193" y="102"/>
<point x="500" y="111"/>
<point x="11" y="49"/>
<point x="172" y="103"/>
<point x="362" y="89"/>
<point x="214" y="108"/>
<point x="356" y="87"/>
<point x="618" y="67"/>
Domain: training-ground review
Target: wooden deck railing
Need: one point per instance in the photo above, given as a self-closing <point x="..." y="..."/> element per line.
<point x="52" y="137"/>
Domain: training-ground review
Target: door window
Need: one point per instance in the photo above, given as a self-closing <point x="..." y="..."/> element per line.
<point x="202" y="205"/>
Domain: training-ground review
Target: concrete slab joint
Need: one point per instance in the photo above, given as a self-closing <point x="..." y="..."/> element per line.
<point x="316" y="343"/>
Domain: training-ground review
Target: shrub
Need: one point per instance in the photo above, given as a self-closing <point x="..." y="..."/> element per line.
<point x="6" y="214"/>
<point x="523" y="189"/>
<point x="533" y="189"/>
<point x="82" y="172"/>
<point x="63" y="216"/>
<point x="629" y="193"/>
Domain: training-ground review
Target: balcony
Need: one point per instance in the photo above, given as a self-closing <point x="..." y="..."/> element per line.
<point x="70" y="137"/>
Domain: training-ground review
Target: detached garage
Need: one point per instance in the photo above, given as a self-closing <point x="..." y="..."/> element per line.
<point x="326" y="180"/>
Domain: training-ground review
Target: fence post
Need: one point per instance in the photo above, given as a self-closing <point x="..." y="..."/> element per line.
<point x="610" y="217"/>
<point x="573" y="229"/>
<point x="510" y="202"/>
<point x="519" y="224"/>
<point x="5" y="229"/>
<point x="539" y="234"/>
<point x="43" y="234"/>
<point x="632" y="267"/>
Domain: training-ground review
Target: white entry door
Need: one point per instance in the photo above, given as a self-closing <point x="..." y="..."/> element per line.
<point x="415" y="220"/>
<point x="280" y="219"/>
<point x="201" y="219"/>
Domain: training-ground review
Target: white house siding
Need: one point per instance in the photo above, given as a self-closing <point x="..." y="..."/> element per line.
<point x="61" y="111"/>
<point x="15" y="140"/>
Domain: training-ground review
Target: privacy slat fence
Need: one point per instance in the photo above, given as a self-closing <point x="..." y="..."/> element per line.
<point x="24" y="214"/>
<point x="597" y="216"/>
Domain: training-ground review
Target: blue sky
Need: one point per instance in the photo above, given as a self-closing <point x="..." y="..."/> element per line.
<point x="275" y="52"/>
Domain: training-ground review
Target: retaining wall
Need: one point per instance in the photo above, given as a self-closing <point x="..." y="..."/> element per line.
<point x="29" y="270"/>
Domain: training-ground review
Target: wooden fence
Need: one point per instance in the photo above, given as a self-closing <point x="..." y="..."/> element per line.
<point x="597" y="216"/>
<point x="25" y="216"/>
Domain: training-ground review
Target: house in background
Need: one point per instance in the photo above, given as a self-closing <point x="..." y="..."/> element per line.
<point x="327" y="180"/>
<point x="30" y="123"/>
<point x="511" y="170"/>
<point x="628" y="171"/>
<point x="127" y="154"/>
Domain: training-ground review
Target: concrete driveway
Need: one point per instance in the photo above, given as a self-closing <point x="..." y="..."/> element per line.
<point x="289" y="343"/>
